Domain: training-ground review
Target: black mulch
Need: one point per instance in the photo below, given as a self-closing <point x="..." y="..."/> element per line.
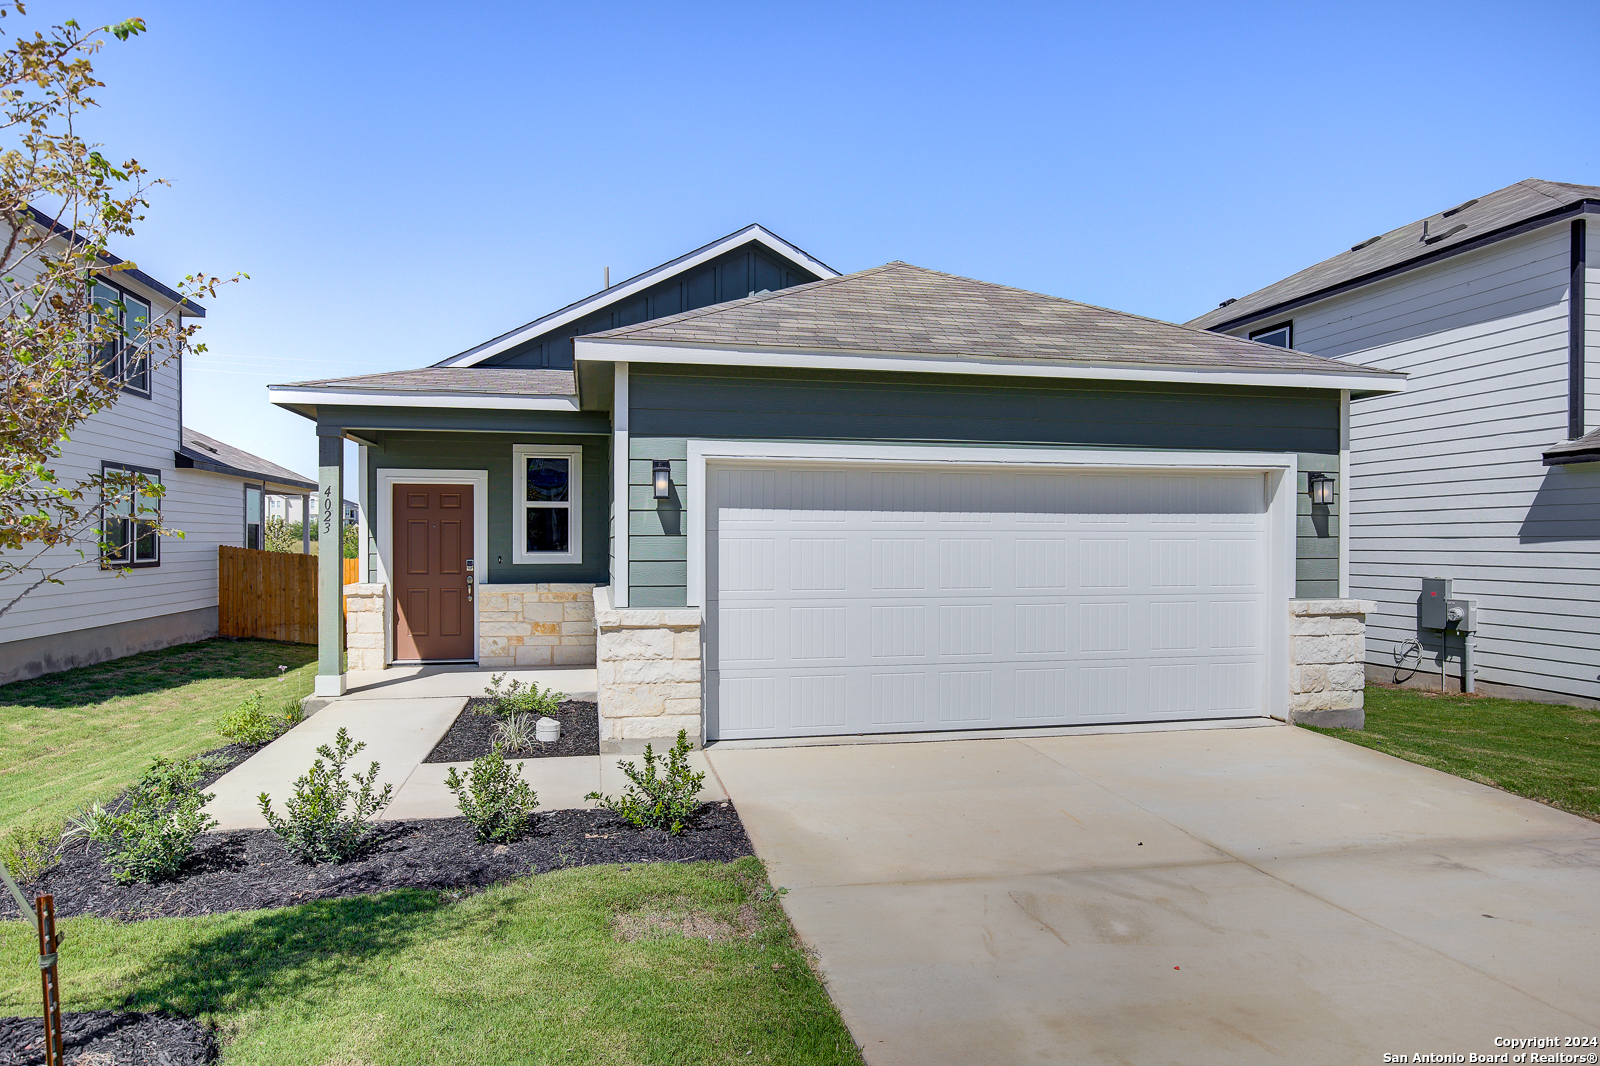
<point x="472" y="733"/>
<point x="248" y="869"/>
<point x="111" y="1038"/>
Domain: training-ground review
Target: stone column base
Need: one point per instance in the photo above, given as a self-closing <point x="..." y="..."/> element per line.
<point x="1327" y="656"/>
<point x="363" y="627"/>
<point x="647" y="663"/>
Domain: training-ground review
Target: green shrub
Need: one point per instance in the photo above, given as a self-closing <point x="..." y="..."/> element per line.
<point x="655" y="802"/>
<point x="30" y="851"/>
<point x="494" y="797"/>
<point x="155" y="831"/>
<point x="329" y="818"/>
<point x="250" y="722"/>
<point x="515" y="698"/>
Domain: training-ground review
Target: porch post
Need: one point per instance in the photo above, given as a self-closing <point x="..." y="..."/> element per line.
<point x="305" y="523"/>
<point x="330" y="562"/>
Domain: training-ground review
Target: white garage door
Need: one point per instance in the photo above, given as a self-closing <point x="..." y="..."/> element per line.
<point x="850" y="600"/>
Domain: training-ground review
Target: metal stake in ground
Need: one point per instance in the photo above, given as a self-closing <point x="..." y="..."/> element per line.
<point x="49" y="978"/>
<point x="44" y="922"/>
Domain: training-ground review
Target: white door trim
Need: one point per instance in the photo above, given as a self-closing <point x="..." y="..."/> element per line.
<point x="387" y="479"/>
<point x="1281" y="471"/>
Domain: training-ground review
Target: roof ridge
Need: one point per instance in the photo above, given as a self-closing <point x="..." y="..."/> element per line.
<point x="1081" y="303"/>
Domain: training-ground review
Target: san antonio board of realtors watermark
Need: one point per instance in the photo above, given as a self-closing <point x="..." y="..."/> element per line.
<point x="1516" y="1049"/>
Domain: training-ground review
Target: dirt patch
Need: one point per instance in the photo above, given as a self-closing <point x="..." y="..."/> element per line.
<point x="111" y="1038"/>
<point x="686" y="922"/>
<point x="473" y="732"/>
<point x="248" y="868"/>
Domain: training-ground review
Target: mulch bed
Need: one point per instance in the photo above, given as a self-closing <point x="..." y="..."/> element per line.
<point x="472" y="733"/>
<point x="248" y="869"/>
<point x="111" y="1038"/>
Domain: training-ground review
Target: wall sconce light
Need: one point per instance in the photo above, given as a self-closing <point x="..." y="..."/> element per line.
<point x="661" y="478"/>
<point x="1321" y="488"/>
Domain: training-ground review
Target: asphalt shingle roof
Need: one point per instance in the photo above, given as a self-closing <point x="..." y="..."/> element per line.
<point x="1454" y="226"/>
<point x="210" y="453"/>
<point x="485" y="380"/>
<point x="903" y="308"/>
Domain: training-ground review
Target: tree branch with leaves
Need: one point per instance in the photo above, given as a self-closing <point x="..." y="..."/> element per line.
<point x="67" y="345"/>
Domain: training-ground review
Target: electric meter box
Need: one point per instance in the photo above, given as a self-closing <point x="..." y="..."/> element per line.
<point x="1434" y="604"/>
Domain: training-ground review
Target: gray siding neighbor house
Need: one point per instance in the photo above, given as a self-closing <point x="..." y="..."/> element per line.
<point x="1485" y="470"/>
<point x="766" y="499"/>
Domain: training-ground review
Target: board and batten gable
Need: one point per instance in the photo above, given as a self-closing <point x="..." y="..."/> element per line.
<point x="492" y="452"/>
<point x="741" y="272"/>
<point x="1447" y="478"/>
<point x="668" y="405"/>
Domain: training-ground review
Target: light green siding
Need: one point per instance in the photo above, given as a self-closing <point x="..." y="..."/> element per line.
<point x="492" y="452"/>
<point x="669" y="405"/>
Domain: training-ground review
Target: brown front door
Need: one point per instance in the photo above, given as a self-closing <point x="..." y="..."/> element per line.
<point x="433" y="591"/>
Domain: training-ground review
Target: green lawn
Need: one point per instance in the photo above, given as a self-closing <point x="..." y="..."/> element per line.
<point x="599" y="964"/>
<point x="1547" y="752"/>
<point x="532" y="971"/>
<point x="70" y="738"/>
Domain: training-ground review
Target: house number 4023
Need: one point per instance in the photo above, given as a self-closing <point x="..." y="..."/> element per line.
<point x="327" y="510"/>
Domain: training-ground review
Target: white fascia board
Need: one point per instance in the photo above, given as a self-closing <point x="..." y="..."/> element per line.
<point x="624" y="289"/>
<point x="481" y="401"/>
<point x="619" y="350"/>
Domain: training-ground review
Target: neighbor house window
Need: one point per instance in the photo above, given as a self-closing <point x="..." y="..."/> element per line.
<point x="253" y="526"/>
<point x="128" y="524"/>
<point x="125" y="357"/>
<point x="1279" y="336"/>
<point x="547" y="504"/>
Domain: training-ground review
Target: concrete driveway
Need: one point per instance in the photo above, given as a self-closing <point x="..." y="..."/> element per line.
<point x="1263" y="895"/>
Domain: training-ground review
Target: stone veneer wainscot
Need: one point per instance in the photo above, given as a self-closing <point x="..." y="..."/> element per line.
<point x="518" y="625"/>
<point x="1327" y="657"/>
<point x="648" y="672"/>
<point x="536" y="625"/>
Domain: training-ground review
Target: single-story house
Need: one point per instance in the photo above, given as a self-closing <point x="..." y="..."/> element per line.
<point x="771" y="500"/>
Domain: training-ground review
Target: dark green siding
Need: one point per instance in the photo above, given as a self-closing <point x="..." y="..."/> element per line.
<point x="671" y="404"/>
<point x="748" y="269"/>
<point x="492" y="452"/>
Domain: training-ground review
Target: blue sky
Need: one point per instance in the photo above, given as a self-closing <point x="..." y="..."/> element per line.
<point x="403" y="181"/>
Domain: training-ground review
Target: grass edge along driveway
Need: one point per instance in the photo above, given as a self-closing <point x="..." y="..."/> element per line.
<point x="588" y="965"/>
<point x="1544" y="751"/>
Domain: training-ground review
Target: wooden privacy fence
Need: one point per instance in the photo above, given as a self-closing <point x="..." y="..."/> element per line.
<point x="351" y="571"/>
<point x="267" y="595"/>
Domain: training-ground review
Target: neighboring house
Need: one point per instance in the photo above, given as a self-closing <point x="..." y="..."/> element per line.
<point x="168" y="594"/>
<point x="1485" y="470"/>
<point x="263" y="484"/>
<point x="290" y="508"/>
<point x="889" y="501"/>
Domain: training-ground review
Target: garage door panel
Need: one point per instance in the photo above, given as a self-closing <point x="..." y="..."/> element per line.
<point x="883" y="601"/>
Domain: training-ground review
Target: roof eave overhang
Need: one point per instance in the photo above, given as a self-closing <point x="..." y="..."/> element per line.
<point x="187" y="458"/>
<point x="624" y="289"/>
<point x="623" y="351"/>
<point x="304" y="401"/>
<point x="1554" y="457"/>
<point x="1582" y="207"/>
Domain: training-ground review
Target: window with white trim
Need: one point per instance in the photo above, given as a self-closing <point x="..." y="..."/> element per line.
<point x="547" y="503"/>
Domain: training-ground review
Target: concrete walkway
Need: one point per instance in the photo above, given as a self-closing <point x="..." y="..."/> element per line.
<point x="1224" y="896"/>
<point x="401" y="714"/>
